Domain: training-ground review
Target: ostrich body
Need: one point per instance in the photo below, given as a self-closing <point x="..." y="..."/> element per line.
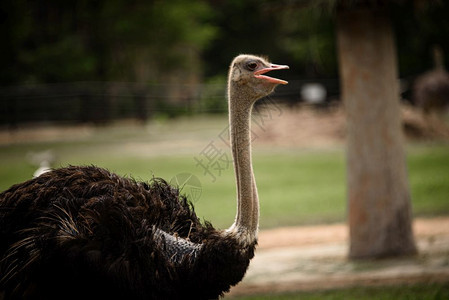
<point x="83" y="232"/>
<point x="431" y="90"/>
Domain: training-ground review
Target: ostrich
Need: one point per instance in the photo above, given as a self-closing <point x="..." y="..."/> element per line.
<point x="83" y="232"/>
<point x="431" y="90"/>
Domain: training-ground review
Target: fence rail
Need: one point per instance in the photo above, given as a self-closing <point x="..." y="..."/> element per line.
<point x="100" y="102"/>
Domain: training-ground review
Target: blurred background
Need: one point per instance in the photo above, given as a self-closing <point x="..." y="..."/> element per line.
<point x="106" y="60"/>
<point x="138" y="87"/>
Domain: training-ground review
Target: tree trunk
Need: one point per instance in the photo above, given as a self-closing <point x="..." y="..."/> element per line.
<point x="379" y="208"/>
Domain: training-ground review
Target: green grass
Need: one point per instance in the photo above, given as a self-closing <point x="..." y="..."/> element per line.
<point x="295" y="186"/>
<point x="413" y="292"/>
<point x="300" y="187"/>
<point x="429" y="179"/>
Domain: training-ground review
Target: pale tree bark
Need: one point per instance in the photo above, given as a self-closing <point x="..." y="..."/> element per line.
<point x="379" y="208"/>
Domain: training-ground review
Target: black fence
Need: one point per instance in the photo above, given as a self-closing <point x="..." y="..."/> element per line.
<point x="99" y="102"/>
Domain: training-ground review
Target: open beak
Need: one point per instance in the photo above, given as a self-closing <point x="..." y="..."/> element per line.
<point x="259" y="73"/>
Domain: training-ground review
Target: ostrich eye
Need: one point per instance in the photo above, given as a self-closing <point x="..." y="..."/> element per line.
<point x="251" y="66"/>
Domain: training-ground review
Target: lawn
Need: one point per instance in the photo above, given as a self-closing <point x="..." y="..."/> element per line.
<point x="412" y="292"/>
<point x="296" y="186"/>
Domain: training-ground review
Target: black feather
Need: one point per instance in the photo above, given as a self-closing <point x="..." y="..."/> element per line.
<point x="86" y="233"/>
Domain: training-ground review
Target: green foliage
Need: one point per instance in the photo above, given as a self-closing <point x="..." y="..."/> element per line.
<point x="63" y="60"/>
<point x="182" y="40"/>
<point x="418" y="28"/>
<point x="102" y="40"/>
<point x="309" y="39"/>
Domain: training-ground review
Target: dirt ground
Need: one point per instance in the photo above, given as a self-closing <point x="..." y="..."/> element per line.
<point x="302" y="126"/>
<point x="306" y="126"/>
<point x="315" y="257"/>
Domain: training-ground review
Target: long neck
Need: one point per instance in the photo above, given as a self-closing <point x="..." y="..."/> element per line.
<point x="247" y="218"/>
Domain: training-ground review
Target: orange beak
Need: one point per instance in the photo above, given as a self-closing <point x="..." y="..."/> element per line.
<point x="272" y="67"/>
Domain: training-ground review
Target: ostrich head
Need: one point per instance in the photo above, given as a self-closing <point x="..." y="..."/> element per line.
<point x="246" y="77"/>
